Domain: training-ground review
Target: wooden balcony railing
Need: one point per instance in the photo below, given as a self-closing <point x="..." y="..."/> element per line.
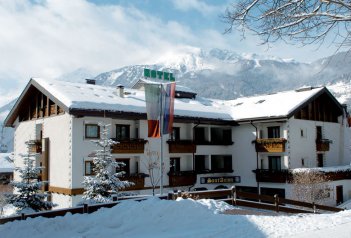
<point x="272" y="176"/>
<point x="132" y="146"/>
<point x="137" y="179"/>
<point x="323" y="145"/>
<point x="182" y="178"/>
<point x="181" y="146"/>
<point x="270" y="145"/>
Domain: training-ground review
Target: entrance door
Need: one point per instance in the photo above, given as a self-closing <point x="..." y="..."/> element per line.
<point x="339" y="195"/>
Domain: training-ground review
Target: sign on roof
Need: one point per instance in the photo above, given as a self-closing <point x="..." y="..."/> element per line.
<point x="155" y="74"/>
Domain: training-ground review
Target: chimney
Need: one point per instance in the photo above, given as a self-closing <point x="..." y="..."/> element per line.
<point x="120" y="90"/>
<point x="90" y="81"/>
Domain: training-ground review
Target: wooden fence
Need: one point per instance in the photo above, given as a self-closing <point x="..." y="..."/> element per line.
<point x="274" y="203"/>
<point x="232" y="196"/>
<point x="74" y="210"/>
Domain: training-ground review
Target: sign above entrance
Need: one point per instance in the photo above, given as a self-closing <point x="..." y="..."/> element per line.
<point x="155" y="74"/>
<point x="225" y="179"/>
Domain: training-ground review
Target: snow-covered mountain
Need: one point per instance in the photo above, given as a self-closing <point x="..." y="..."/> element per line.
<point x="227" y="75"/>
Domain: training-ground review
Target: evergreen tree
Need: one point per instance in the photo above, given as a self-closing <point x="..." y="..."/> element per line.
<point x="27" y="195"/>
<point x="106" y="183"/>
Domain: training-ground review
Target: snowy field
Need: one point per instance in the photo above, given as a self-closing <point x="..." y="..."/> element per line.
<point x="181" y="218"/>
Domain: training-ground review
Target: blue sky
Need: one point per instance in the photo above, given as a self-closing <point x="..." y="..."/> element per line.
<point x="48" y="38"/>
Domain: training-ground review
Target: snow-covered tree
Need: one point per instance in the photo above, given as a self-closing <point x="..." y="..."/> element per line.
<point x="106" y="182"/>
<point x="306" y="22"/>
<point x="27" y="196"/>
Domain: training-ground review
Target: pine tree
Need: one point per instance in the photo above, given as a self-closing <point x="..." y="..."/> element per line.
<point x="27" y="196"/>
<point x="106" y="183"/>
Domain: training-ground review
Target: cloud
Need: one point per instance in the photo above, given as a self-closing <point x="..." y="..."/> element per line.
<point x="200" y="6"/>
<point x="48" y="38"/>
<point x="57" y="36"/>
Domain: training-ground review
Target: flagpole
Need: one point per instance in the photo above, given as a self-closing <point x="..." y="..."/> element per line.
<point x="161" y="138"/>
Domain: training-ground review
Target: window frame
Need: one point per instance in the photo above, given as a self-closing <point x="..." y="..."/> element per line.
<point x="175" y="134"/>
<point x="226" y="160"/>
<point x="92" y="173"/>
<point x="174" y="164"/>
<point x="120" y="126"/>
<point x="275" y="163"/>
<point x="273" y="132"/>
<point x="87" y="136"/>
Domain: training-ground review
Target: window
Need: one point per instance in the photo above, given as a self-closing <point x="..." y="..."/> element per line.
<point x="175" y="135"/>
<point x="319" y="133"/>
<point x="122" y="132"/>
<point x="273" y="132"/>
<point x="221" y="163"/>
<point x="200" y="134"/>
<point x="274" y="162"/>
<point x="221" y="136"/>
<point x="125" y="168"/>
<point x="88" y="170"/>
<point x="320" y="160"/>
<point x="92" y="131"/>
<point x="175" y="165"/>
<point x="200" y="163"/>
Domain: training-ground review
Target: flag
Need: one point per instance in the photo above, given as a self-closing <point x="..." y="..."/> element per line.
<point x="153" y="108"/>
<point x="168" y="107"/>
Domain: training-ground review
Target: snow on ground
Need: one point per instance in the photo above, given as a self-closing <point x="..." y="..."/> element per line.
<point x="181" y="218"/>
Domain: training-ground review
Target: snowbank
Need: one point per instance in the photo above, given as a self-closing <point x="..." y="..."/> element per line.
<point x="181" y="218"/>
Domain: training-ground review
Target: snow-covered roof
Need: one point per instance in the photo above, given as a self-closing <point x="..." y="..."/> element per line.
<point x="96" y="97"/>
<point x="5" y="165"/>
<point x="272" y="105"/>
<point x="78" y="97"/>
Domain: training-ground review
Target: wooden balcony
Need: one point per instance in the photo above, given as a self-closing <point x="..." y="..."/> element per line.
<point x="270" y="145"/>
<point x="182" y="178"/>
<point x="35" y="146"/>
<point x="133" y="146"/>
<point x="137" y="179"/>
<point x="338" y="175"/>
<point x="322" y="145"/>
<point x="181" y="146"/>
<point x="272" y="176"/>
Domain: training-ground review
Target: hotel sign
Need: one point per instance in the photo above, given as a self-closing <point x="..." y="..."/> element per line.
<point x="225" y="179"/>
<point x="155" y="74"/>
